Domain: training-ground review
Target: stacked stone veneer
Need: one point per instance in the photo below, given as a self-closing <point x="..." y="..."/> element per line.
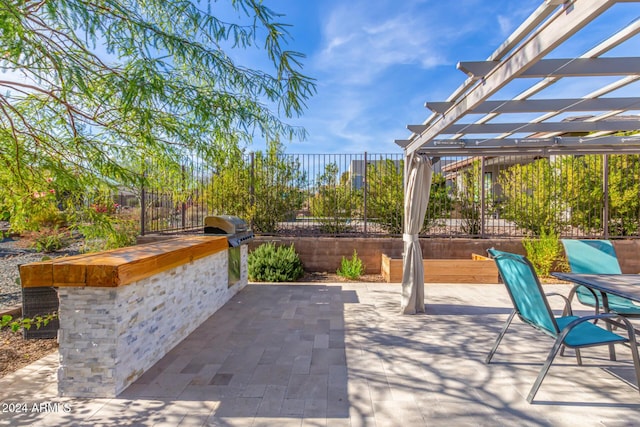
<point x="110" y="336"/>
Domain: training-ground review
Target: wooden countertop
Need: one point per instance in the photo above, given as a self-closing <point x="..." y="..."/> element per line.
<point x="122" y="266"/>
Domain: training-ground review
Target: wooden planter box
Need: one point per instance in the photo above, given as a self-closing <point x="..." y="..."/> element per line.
<point x="479" y="269"/>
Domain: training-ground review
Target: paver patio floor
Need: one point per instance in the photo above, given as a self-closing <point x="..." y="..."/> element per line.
<point x="342" y="355"/>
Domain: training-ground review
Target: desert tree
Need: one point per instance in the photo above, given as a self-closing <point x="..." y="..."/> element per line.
<point x="91" y="90"/>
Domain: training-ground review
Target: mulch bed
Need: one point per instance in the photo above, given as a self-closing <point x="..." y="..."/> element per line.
<point x="17" y="352"/>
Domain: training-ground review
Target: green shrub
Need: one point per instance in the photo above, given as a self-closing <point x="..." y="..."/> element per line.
<point x="543" y="252"/>
<point x="351" y="268"/>
<point x="106" y="233"/>
<point x="271" y="263"/>
<point x="50" y="241"/>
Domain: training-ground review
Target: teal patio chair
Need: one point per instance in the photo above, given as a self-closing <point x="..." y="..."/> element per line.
<point x="531" y="305"/>
<point x="596" y="257"/>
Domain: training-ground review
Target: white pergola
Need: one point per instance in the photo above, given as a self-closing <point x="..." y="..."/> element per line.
<point x="476" y="121"/>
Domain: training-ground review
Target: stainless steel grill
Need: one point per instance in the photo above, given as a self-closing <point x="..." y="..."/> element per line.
<point x="235" y="229"/>
<point x="237" y="232"/>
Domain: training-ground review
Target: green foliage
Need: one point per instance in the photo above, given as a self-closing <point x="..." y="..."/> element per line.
<point x="109" y="86"/>
<point x="386" y="194"/>
<point x="543" y="252"/>
<point x="468" y="199"/>
<point x="440" y="202"/>
<point x="34" y="211"/>
<point x="5" y="215"/>
<point x="104" y="233"/>
<point x="583" y="186"/>
<point x="50" y="241"/>
<point x="532" y="197"/>
<point x="271" y="263"/>
<point x="335" y="202"/>
<point x="26" y="322"/>
<point x="583" y="191"/>
<point x="351" y="268"/>
<point x="624" y="195"/>
<point x="264" y="193"/>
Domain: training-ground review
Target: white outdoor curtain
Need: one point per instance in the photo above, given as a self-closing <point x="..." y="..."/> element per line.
<point x="416" y="199"/>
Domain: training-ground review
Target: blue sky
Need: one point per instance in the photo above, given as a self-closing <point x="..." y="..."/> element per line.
<point x="377" y="62"/>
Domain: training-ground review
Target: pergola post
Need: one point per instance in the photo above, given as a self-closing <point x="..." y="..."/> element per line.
<point x="605" y="193"/>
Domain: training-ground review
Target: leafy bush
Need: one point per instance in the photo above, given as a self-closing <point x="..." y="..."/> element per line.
<point x="582" y="179"/>
<point x="532" y="197"/>
<point x="104" y="233"/>
<point x="335" y="202"/>
<point x="264" y="190"/>
<point x="50" y="241"/>
<point x="271" y="263"/>
<point x="351" y="268"/>
<point x="385" y="195"/>
<point x="543" y="252"/>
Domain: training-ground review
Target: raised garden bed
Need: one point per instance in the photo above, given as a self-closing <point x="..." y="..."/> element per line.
<point x="478" y="269"/>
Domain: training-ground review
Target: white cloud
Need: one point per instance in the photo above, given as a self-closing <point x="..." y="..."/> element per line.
<point x="361" y="40"/>
<point x="506" y="24"/>
<point x="377" y="62"/>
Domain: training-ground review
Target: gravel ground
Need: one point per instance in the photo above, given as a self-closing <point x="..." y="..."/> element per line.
<point x="12" y="254"/>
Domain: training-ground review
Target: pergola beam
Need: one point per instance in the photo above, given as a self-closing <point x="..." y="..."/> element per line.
<point x="542" y="105"/>
<point x="540" y="146"/>
<point x="572" y="67"/>
<point x="553" y="32"/>
<point x="537" y="17"/>
<point x="564" y="127"/>
<point x="605" y="46"/>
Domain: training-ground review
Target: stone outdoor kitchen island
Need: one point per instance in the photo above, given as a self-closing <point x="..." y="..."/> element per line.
<point x="121" y="311"/>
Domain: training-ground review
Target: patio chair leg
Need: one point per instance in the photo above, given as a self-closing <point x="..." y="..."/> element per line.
<point x="572" y="293"/>
<point x="612" y="348"/>
<point x="633" y="345"/>
<point x="497" y="343"/>
<point x="578" y="357"/>
<point x="545" y="368"/>
<point x="636" y="362"/>
<point x="577" y="350"/>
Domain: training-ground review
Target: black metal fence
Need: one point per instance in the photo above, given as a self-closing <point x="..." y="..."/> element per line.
<point x="362" y="194"/>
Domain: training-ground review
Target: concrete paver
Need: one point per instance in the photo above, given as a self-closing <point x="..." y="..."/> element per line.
<point x="343" y="355"/>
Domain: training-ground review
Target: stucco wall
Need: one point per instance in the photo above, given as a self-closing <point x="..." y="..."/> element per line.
<point x="325" y="253"/>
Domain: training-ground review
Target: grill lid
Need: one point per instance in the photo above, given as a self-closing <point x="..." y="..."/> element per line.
<point x="236" y="229"/>
<point x="224" y="224"/>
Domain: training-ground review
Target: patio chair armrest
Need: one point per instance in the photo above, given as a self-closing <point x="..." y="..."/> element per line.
<point x="567" y="304"/>
<point x="572" y="293"/>
<point x="596" y="317"/>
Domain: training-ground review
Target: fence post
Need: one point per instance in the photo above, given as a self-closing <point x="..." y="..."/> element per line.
<point x="183" y="207"/>
<point x="365" y="191"/>
<point x="143" y="204"/>
<point x="605" y="192"/>
<point x="252" y="194"/>
<point x="482" y="198"/>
